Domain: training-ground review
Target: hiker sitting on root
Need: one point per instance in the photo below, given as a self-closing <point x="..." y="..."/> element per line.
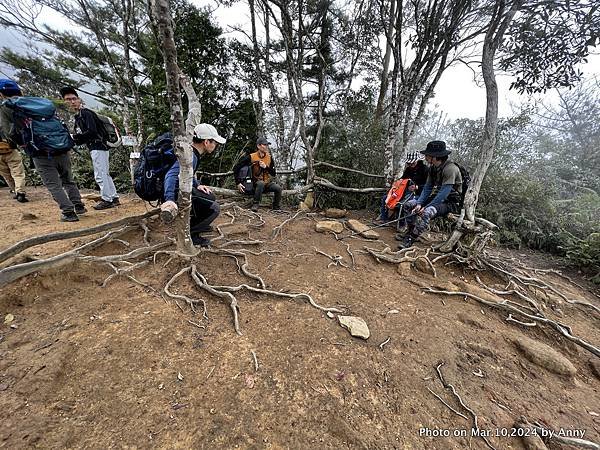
<point x="440" y="196"/>
<point x="415" y="173"/>
<point x="263" y="170"/>
<point x="205" y="207"/>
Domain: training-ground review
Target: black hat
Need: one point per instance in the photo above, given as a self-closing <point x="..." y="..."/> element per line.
<point x="437" y="149"/>
<point x="262" y="141"/>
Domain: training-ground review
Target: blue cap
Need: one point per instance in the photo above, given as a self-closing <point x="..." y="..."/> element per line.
<point x="6" y="85"/>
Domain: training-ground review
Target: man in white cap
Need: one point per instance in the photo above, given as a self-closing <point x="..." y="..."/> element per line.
<point x="205" y="207"/>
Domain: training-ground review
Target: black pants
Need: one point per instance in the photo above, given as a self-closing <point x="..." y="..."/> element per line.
<point x="205" y="209"/>
<point x="260" y="187"/>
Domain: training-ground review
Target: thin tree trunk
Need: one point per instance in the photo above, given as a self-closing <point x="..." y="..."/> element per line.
<point x="161" y="12"/>
<point x="260" y="124"/>
<point x="384" y="78"/>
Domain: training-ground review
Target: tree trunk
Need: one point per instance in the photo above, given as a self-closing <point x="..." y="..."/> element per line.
<point x="384" y="78"/>
<point x="260" y="124"/>
<point x="161" y="12"/>
<point x="493" y="37"/>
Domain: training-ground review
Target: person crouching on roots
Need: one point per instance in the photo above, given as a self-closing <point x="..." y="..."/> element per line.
<point x="440" y="196"/>
<point x="205" y="207"/>
<point x="263" y="171"/>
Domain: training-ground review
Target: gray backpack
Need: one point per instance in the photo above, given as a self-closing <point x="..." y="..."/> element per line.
<point x="110" y="132"/>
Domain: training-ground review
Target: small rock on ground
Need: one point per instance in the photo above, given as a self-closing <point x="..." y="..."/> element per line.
<point x="335" y="213"/>
<point x="545" y="356"/>
<point x="28" y="216"/>
<point x="324" y="226"/>
<point x="361" y="228"/>
<point x="355" y="325"/>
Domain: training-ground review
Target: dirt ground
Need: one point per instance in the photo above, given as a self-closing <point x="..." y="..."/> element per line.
<point x="83" y="366"/>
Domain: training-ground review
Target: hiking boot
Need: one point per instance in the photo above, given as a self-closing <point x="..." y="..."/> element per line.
<point x="200" y="241"/>
<point x="276" y="208"/>
<point x="69" y="217"/>
<point x="408" y="242"/>
<point x="116" y="201"/>
<point x="21" y="197"/>
<point x="103" y="205"/>
<point x="80" y="209"/>
<point x="254" y="207"/>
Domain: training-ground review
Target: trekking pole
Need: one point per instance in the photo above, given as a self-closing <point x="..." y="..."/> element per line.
<point x="377" y="226"/>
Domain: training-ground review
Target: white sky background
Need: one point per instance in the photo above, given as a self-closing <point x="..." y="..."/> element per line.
<point x="457" y="94"/>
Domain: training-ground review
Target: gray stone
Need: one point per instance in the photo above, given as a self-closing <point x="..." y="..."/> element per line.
<point x="335" y="213"/>
<point x="325" y="226"/>
<point x="545" y="356"/>
<point x="361" y="228"/>
<point x="355" y="325"/>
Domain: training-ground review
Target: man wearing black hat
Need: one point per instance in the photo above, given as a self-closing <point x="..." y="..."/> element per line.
<point x="263" y="171"/>
<point x="440" y="196"/>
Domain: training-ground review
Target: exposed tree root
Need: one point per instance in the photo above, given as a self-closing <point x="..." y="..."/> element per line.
<point x="505" y="306"/>
<point x="17" y="248"/>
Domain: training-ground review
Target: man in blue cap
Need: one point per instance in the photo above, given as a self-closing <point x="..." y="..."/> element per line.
<point x="11" y="164"/>
<point x="440" y="196"/>
<point x="53" y="165"/>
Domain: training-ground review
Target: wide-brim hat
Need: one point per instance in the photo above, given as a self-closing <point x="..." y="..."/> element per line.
<point x="437" y="149"/>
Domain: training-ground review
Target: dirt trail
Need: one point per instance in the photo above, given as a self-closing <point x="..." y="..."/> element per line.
<point x="89" y="367"/>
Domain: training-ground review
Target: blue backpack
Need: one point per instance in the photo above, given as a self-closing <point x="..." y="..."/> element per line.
<point x="155" y="161"/>
<point x="40" y="130"/>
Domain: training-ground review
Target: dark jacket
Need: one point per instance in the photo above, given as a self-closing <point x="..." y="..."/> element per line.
<point x="87" y="130"/>
<point x="418" y="175"/>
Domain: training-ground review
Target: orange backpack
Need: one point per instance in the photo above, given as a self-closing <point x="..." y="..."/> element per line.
<point x="396" y="193"/>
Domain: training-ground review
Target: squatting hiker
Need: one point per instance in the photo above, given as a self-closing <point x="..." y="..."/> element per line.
<point x="205" y="207"/>
<point x="262" y="165"/>
<point x="440" y="196"/>
<point x="415" y="173"/>
<point x="88" y="131"/>
<point x="11" y="164"/>
<point x="33" y="124"/>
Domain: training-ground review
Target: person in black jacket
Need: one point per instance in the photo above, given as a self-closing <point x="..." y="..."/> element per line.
<point x="416" y="172"/>
<point x="262" y="165"/>
<point x="88" y="131"/>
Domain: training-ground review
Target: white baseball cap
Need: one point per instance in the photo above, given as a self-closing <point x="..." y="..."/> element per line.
<point x="207" y="131"/>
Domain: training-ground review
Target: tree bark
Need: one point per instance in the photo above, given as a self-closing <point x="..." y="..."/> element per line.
<point x="161" y="13"/>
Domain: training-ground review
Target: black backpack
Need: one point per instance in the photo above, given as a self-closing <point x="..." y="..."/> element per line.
<point x="466" y="181"/>
<point x="245" y="175"/>
<point x="155" y="161"/>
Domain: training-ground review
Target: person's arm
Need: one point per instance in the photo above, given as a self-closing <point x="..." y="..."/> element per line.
<point x="245" y="161"/>
<point x="271" y="169"/>
<point x="89" y="130"/>
<point x="425" y="194"/>
<point x="442" y="195"/>
<point x="171" y="182"/>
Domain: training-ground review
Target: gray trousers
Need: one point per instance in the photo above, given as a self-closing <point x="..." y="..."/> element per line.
<point x="108" y="192"/>
<point x="57" y="176"/>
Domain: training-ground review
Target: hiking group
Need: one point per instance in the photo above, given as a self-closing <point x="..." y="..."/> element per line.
<point x="420" y="194"/>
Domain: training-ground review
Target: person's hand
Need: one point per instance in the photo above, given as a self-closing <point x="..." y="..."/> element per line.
<point x="418" y="210"/>
<point x="262" y="165"/>
<point x="412" y="187"/>
<point x="204" y="189"/>
<point x="241" y="188"/>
